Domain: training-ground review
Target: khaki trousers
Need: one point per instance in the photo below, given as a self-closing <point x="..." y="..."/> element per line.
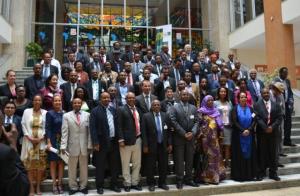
<point x="131" y="154"/>
<point x="83" y="171"/>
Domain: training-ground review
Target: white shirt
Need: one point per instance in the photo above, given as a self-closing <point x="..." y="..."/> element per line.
<point x="95" y="86"/>
<point x="152" y="77"/>
<point x="10" y="121"/>
<point x="268" y="106"/>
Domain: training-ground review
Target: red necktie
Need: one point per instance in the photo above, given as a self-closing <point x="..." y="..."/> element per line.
<point x="78" y="118"/>
<point x="269" y="118"/>
<point x="136" y="121"/>
<point x="129" y="79"/>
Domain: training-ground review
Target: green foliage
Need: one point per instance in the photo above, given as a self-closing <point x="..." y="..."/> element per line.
<point x="34" y="50"/>
<point x="269" y="77"/>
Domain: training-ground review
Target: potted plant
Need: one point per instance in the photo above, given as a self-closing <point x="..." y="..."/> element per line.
<point x="34" y="53"/>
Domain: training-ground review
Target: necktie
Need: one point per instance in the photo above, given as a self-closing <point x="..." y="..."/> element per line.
<point x="158" y="128"/>
<point x="97" y="67"/>
<point x="136" y="122"/>
<point x="111" y="125"/>
<point x="72" y="90"/>
<point x="8" y="120"/>
<point x="129" y="79"/>
<point x="147" y="101"/>
<point x="78" y="118"/>
<point x="267" y="107"/>
<point x="137" y="68"/>
<point x="177" y="75"/>
<point x="46" y="71"/>
<point x="256" y="89"/>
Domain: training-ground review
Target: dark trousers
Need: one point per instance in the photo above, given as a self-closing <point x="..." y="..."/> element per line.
<point x="107" y="159"/>
<point x="287" y="124"/>
<point x="267" y="153"/>
<point x="160" y="159"/>
<point x="184" y="157"/>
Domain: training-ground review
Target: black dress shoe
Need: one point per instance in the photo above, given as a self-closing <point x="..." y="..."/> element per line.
<point x="283" y="155"/>
<point x="164" y="187"/>
<point x="151" y="188"/>
<point x="280" y="165"/>
<point x="100" y="190"/>
<point x="116" y="189"/>
<point x="259" y="178"/>
<point x="84" y="191"/>
<point x="192" y="183"/>
<point x="289" y="144"/>
<point x="275" y="177"/>
<point x="179" y="185"/>
<point x="137" y="187"/>
<point x="127" y="188"/>
<point x="72" y="192"/>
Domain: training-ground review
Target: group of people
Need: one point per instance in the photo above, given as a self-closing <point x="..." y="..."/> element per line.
<point x="131" y="111"/>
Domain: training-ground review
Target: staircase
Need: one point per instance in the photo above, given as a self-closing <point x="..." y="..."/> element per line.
<point x="290" y="177"/>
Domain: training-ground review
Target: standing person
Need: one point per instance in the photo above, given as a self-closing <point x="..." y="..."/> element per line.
<point x="9" y="89"/>
<point x="76" y="141"/>
<point x="209" y="138"/>
<point x="169" y="100"/>
<point x="203" y="89"/>
<point x="47" y="68"/>
<point x="51" y="88"/>
<point x="184" y="120"/>
<point x="33" y="152"/>
<point x="289" y="105"/>
<point x="157" y="144"/>
<point x="53" y="135"/>
<point x="105" y="143"/>
<point x="243" y="156"/>
<point x="81" y="93"/>
<point x="242" y="87"/>
<point x="130" y="142"/>
<point x="83" y="77"/>
<point x="21" y="101"/>
<point x="224" y="106"/>
<point x="255" y="85"/>
<point x="35" y="82"/>
<point x="269" y="117"/>
<point x="143" y="101"/>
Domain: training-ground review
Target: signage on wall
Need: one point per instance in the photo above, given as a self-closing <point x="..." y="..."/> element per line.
<point x="73" y="31"/>
<point x="261" y="68"/>
<point x="163" y="37"/>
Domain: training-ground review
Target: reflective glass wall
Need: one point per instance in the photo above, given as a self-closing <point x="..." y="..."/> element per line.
<point x="93" y="23"/>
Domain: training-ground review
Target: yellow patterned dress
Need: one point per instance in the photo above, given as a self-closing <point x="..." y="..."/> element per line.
<point x="36" y="159"/>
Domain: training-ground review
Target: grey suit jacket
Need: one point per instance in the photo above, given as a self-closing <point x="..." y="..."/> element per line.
<point x="141" y="104"/>
<point x="76" y="138"/>
<point x="183" y="122"/>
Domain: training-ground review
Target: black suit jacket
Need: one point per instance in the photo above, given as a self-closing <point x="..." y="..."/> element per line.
<point x="118" y="96"/>
<point x="141" y="104"/>
<point x="66" y="88"/>
<point x="13" y="176"/>
<point x="89" y="87"/>
<point x="262" y="117"/>
<point x="114" y="66"/>
<point x="172" y="75"/>
<point x="32" y="87"/>
<point x="5" y="91"/>
<point x="149" y="131"/>
<point x="100" y="131"/>
<point x="159" y="87"/>
<point x="53" y="69"/>
<point x="126" y="125"/>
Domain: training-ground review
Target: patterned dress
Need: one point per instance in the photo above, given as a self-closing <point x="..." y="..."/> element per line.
<point x="209" y="147"/>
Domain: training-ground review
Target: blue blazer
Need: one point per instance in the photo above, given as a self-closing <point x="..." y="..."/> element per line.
<point x="251" y="89"/>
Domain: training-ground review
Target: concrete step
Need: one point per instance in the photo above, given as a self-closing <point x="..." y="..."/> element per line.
<point x="295" y="118"/>
<point x="295" y="139"/>
<point x="296" y="132"/>
<point x="291" y="158"/>
<point x="288" y="149"/>
<point x="290" y="168"/>
<point x="295" y="124"/>
<point x="225" y="187"/>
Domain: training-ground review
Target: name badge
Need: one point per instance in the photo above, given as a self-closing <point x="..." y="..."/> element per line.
<point x="165" y="127"/>
<point x="102" y="90"/>
<point x="253" y="115"/>
<point x="50" y="94"/>
<point x="205" y="70"/>
<point x="192" y="116"/>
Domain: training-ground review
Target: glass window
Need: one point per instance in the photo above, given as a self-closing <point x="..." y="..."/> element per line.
<point x="44" y="35"/>
<point x="113" y="12"/>
<point x="259" y="7"/>
<point x="196" y="14"/>
<point x="135" y="13"/>
<point x="179" y="13"/>
<point x="90" y="12"/>
<point x="179" y="39"/>
<point x="157" y="12"/>
<point x="44" y="11"/>
<point x="248" y="10"/>
<point x="138" y="35"/>
<point x="237" y="13"/>
<point x="89" y="37"/>
<point x="67" y="11"/>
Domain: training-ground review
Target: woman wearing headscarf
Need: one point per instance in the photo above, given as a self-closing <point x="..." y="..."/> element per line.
<point x="210" y="133"/>
<point x="243" y="156"/>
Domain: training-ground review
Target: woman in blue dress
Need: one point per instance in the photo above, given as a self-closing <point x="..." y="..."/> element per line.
<point x="53" y="134"/>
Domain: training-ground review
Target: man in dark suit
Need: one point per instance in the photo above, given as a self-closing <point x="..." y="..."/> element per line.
<point x="169" y="100"/>
<point x="157" y="66"/>
<point x="95" y="87"/>
<point x="13" y="176"/>
<point x="96" y="64"/>
<point x="196" y="74"/>
<point x="242" y="72"/>
<point x="47" y="68"/>
<point x="122" y="88"/>
<point x="205" y="67"/>
<point x="164" y="81"/>
<point x="149" y="57"/>
<point x="157" y="143"/>
<point x="213" y="77"/>
<point x="9" y="110"/>
<point x="68" y="90"/>
<point x="185" y="123"/>
<point x="165" y="56"/>
<point x="70" y="60"/>
<point x="131" y="79"/>
<point x="269" y="117"/>
<point x="176" y="70"/>
<point x="143" y="101"/>
<point x="130" y="142"/>
<point x="117" y="63"/>
<point x="186" y="64"/>
<point x="289" y="105"/>
<point x="35" y="82"/>
<point x="254" y="86"/>
<point x="105" y="142"/>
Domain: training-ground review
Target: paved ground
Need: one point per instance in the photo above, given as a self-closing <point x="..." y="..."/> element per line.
<point x="294" y="191"/>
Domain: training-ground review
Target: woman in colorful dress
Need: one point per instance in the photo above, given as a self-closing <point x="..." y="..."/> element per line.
<point x="242" y="87"/>
<point x="33" y="148"/>
<point x="224" y="106"/>
<point x="51" y="88"/>
<point x="209" y="142"/>
<point x="53" y="135"/>
<point x="243" y="156"/>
